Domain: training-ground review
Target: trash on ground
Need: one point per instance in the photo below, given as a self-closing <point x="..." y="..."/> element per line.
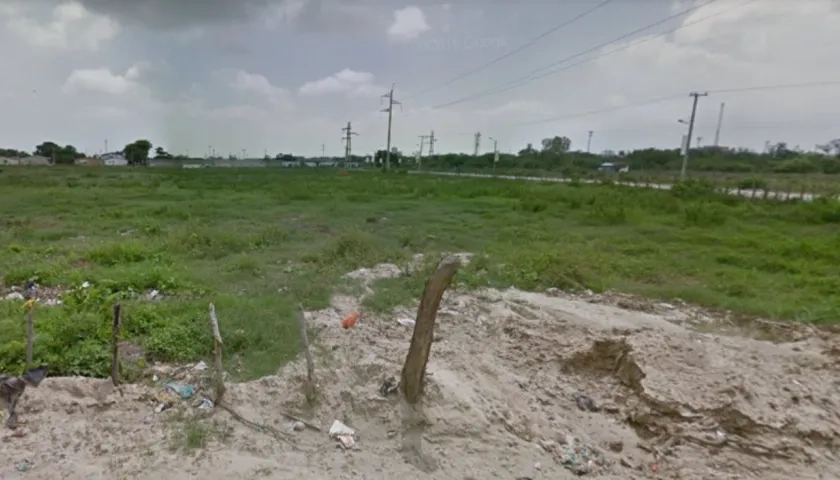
<point x="183" y="390"/>
<point x="339" y="428"/>
<point x="580" y="459"/>
<point x="298" y="426"/>
<point x="24" y="466"/>
<point x="205" y="404"/>
<point x="200" y="366"/>
<point x="350" y="320"/>
<point x="585" y="402"/>
<point x="406" y="322"/>
<point x="389" y="386"/>
<point x="344" y="434"/>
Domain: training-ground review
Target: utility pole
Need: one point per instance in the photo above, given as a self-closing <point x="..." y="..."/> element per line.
<point x="696" y="96"/>
<point x="720" y="122"/>
<point x="477" y="143"/>
<point x="420" y="153"/>
<point x="348" y="135"/>
<point x="323" y="150"/>
<point x="495" y="153"/>
<point x="244" y="153"/>
<point x="589" y="141"/>
<point x="390" y="110"/>
<point x="432" y="143"/>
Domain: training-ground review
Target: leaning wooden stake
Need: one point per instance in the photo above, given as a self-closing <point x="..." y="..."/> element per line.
<point x="219" y="383"/>
<point x="310" y="365"/>
<point x="414" y="370"/>
<point x="30" y="334"/>
<point x="115" y="349"/>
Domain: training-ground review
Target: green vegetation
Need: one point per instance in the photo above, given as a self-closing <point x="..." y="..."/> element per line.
<point x="257" y="241"/>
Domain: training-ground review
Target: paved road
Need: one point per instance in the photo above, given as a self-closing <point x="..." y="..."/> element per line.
<point x="749" y="193"/>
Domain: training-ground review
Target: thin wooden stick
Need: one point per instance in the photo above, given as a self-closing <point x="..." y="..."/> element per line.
<point x="414" y="370"/>
<point x="217" y="342"/>
<point x="310" y="364"/>
<point x="115" y="349"/>
<point x="30" y="335"/>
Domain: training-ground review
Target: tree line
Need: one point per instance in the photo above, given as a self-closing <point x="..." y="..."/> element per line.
<point x="553" y="154"/>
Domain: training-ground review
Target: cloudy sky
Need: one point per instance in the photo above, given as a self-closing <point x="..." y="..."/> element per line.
<point x="287" y="75"/>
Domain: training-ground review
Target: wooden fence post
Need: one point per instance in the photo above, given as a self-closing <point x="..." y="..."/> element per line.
<point x="414" y="370"/>
<point x="219" y="381"/>
<point x="309" y="388"/>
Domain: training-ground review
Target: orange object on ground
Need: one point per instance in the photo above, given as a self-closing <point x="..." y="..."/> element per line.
<point x="350" y="320"/>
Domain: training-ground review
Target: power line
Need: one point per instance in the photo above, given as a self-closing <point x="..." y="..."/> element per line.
<point x="516" y="50"/>
<point x="530" y="77"/>
<point x="675" y="97"/>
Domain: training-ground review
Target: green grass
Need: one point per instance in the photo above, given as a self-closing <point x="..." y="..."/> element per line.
<point x="255" y="242"/>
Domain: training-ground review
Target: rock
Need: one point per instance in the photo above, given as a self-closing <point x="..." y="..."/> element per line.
<point x="298" y="426"/>
<point x="14" y="296"/>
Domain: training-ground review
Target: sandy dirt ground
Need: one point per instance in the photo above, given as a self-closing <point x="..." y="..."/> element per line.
<point x="520" y="386"/>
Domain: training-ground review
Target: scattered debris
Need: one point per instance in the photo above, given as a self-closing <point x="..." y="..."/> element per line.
<point x="345" y="435"/>
<point x="298" y="426"/>
<point x="185" y="391"/>
<point x="389" y="386"/>
<point x="24" y="466"/>
<point x="580" y="459"/>
<point x="350" y="320"/>
<point x="200" y="366"/>
<point x="406" y="322"/>
<point x="585" y="402"/>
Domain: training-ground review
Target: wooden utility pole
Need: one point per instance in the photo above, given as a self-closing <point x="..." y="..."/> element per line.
<point x="390" y="110"/>
<point x="420" y="153"/>
<point x="686" y="153"/>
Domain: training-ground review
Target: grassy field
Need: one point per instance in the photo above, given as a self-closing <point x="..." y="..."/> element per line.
<point x="255" y="242"/>
<point x="817" y="183"/>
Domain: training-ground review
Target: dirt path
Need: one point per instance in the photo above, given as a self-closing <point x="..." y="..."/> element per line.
<point x="673" y="402"/>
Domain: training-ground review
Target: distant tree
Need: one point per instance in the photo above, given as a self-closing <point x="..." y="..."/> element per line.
<point x="161" y="153"/>
<point x="62" y="155"/>
<point x="12" y="153"/>
<point x="137" y="152"/>
<point x="557" y="145"/>
<point x="528" y="151"/>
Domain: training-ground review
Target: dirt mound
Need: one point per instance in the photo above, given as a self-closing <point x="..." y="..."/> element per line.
<point x="519" y="385"/>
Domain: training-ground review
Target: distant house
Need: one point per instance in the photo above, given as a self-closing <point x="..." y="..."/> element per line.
<point x="289" y="163"/>
<point x="115" y="159"/>
<point x="9" y="161"/>
<point x="35" y="160"/>
<point x="88" y="161"/>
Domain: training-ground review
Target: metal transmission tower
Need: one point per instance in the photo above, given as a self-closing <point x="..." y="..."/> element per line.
<point x="390" y="110"/>
<point x="720" y="122"/>
<point x="477" y="143"/>
<point x="348" y="136"/>
<point x="589" y="141"/>
<point x="432" y="141"/>
<point x="696" y="96"/>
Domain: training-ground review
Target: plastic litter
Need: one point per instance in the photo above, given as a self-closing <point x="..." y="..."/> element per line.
<point x="406" y="322"/>
<point x="580" y="459"/>
<point x="182" y="390"/>
<point x="200" y="366"/>
<point x="345" y="435"/>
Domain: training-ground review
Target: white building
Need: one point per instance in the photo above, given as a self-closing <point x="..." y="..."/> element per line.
<point x="115" y="159"/>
